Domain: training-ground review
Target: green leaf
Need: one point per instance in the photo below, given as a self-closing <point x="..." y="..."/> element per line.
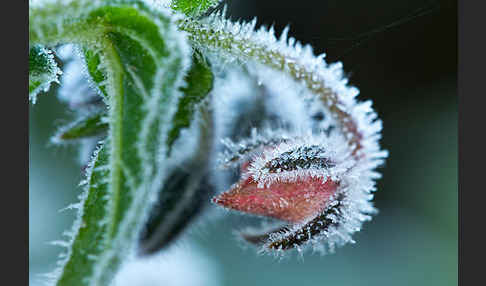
<point x="199" y="81"/>
<point x="95" y="69"/>
<point x="43" y="70"/>
<point x="193" y="7"/>
<point x="138" y="58"/>
<point x="88" y="234"/>
<point x="187" y="192"/>
<point x="87" y="126"/>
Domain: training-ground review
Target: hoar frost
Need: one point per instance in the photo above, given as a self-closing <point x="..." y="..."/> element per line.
<point x="311" y="161"/>
<point x="305" y="150"/>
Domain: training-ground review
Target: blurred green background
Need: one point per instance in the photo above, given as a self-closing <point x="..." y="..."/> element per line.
<point x="408" y="70"/>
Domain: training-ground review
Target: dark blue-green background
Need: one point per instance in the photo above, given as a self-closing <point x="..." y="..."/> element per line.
<point x="408" y="70"/>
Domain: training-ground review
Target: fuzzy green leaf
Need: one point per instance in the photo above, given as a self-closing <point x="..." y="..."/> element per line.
<point x="187" y="192"/>
<point x="89" y="240"/>
<point x="94" y="67"/>
<point x="199" y="81"/>
<point x="43" y="70"/>
<point x="87" y="126"/>
<point x="137" y="57"/>
<point x="193" y="7"/>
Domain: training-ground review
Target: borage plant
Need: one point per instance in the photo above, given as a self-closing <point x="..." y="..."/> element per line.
<point x="177" y="101"/>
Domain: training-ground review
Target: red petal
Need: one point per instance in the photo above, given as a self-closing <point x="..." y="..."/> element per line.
<point x="288" y="201"/>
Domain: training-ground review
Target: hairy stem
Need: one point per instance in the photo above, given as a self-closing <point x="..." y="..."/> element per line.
<point x="241" y="41"/>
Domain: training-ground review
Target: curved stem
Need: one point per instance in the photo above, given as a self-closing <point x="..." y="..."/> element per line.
<point x="240" y="41"/>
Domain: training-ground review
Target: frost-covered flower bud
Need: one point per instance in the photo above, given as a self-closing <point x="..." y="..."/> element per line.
<point x="302" y="180"/>
<point x="289" y="181"/>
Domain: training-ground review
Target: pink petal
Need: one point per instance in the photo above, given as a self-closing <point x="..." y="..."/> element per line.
<point x="288" y="201"/>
